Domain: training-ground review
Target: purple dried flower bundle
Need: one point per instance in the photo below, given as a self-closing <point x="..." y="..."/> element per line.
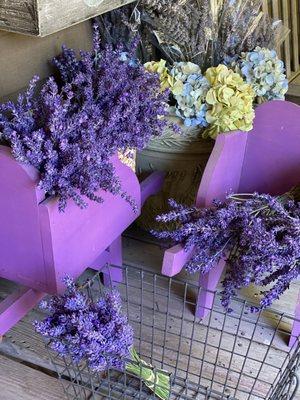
<point x="130" y="103"/>
<point x="70" y="133"/>
<point x="258" y="234"/>
<point x="95" y="332"/>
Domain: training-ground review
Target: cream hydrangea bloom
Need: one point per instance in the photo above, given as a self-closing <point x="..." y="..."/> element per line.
<point x="230" y="102"/>
<point x="159" y="67"/>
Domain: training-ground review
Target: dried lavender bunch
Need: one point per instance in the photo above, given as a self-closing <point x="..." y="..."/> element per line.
<point x="123" y="25"/>
<point x="70" y="133"/>
<point x="178" y="27"/>
<point x="258" y="234"/>
<point x="208" y="32"/>
<point x="127" y="96"/>
<point x="97" y="333"/>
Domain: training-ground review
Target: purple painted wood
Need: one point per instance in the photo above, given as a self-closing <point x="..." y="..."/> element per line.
<point x="16" y="305"/>
<point x="267" y="159"/>
<point x="39" y="245"/>
<point x="151" y="184"/>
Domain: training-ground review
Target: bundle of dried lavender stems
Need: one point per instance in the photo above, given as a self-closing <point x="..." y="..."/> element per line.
<point x="205" y="32"/>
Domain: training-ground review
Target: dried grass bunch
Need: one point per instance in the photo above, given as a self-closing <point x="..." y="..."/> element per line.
<point x="208" y="32"/>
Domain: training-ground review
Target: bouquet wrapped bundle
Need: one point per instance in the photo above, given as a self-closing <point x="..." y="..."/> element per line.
<point x="97" y="334"/>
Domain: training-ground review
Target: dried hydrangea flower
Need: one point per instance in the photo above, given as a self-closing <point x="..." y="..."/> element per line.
<point x="189" y="91"/>
<point x="230" y="102"/>
<point x="265" y="72"/>
<point x="160" y="68"/>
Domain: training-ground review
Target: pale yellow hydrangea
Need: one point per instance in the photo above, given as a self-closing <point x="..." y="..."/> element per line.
<point x="159" y="67"/>
<point x="230" y="102"/>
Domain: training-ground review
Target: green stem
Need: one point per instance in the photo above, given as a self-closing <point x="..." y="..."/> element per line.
<point x="157" y="380"/>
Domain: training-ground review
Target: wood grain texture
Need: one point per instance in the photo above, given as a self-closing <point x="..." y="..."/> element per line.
<point x="44" y="17"/>
<point x="19" y="16"/>
<point x="18" y="381"/>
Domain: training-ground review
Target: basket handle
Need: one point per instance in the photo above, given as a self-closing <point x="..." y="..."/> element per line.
<point x="297" y="383"/>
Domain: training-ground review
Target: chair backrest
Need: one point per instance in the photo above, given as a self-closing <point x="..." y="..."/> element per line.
<point x="266" y="160"/>
<point x="21" y="249"/>
<point x="272" y="157"/>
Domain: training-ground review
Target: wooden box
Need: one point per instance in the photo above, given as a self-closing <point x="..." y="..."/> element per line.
<point x="43" y="17"/>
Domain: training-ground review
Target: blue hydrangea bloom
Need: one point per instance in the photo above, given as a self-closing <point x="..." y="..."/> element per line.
<point x="189" y="90"/>
<point x="265" y="72"/>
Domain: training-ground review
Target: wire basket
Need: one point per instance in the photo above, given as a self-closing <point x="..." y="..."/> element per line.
<point x="240" y="355"/>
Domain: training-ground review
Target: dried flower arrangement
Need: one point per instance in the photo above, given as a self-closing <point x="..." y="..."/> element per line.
<point x="200" y="35"/>
<point x="258" y="235"/>
<point x="70" y="131"/>
<point x="98" y="334"/>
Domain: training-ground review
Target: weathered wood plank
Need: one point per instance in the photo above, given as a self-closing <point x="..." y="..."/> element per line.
<point x="295" y="16"/>
<point x="44" y="17"/>
<point x="287" y="49"/>
<point x="19" y="16"/>
<point x="18" y="381"/>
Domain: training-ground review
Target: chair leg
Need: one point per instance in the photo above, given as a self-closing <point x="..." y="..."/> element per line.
<point x="114" y="275"/>
<point x="295" y="334"/>
<point x="207" y="286"/>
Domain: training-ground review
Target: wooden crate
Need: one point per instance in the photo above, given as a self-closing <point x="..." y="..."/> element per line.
<point x="289" y="12"/>
<point x="43" y="17"/>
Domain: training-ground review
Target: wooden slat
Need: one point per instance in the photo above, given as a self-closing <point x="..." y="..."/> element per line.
<point x="44" y="17"/>
<point x="289" y="12"/>
<point x="18" y="381"/>
<point x="19" y="15"/>
<point x="265" y="6"/>
<point x="295" y="16"/>
<point x="287" y="50"/>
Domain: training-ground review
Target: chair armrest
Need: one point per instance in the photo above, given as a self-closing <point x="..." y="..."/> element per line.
<point x="16" y="305"/>
<point x="151" y="185"/>
<point x="174" y="260"/>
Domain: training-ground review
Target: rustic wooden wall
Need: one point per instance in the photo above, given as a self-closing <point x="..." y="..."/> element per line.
<point x="289" y="12"/>
<point x="21" y="57"/>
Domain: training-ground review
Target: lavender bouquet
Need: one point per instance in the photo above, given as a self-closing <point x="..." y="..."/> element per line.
<point x="69" y="131"/>
<point x="97" y="333"/>
<point x="258" y="234"/>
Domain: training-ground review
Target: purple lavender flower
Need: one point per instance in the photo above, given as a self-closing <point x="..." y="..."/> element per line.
<point x="258" y="235"/>
<point x="70" y="132"/>
<point x="96" y="332"/>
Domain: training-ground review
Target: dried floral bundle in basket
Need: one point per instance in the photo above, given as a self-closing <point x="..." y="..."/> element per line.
<point x="98" y="334"/>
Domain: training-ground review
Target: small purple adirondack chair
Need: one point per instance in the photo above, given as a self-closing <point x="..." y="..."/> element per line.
<point x="266" y="160"/>
<point x="39" y="245"/>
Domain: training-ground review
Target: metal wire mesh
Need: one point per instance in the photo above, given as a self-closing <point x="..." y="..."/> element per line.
<point x="240" y="355"/>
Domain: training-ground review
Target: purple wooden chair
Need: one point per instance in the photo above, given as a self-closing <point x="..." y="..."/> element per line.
<point x="39" y="245"/>
<point x="266" y="160"/>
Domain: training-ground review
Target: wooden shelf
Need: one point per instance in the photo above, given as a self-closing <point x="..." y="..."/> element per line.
<point x="44" y="17"/>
